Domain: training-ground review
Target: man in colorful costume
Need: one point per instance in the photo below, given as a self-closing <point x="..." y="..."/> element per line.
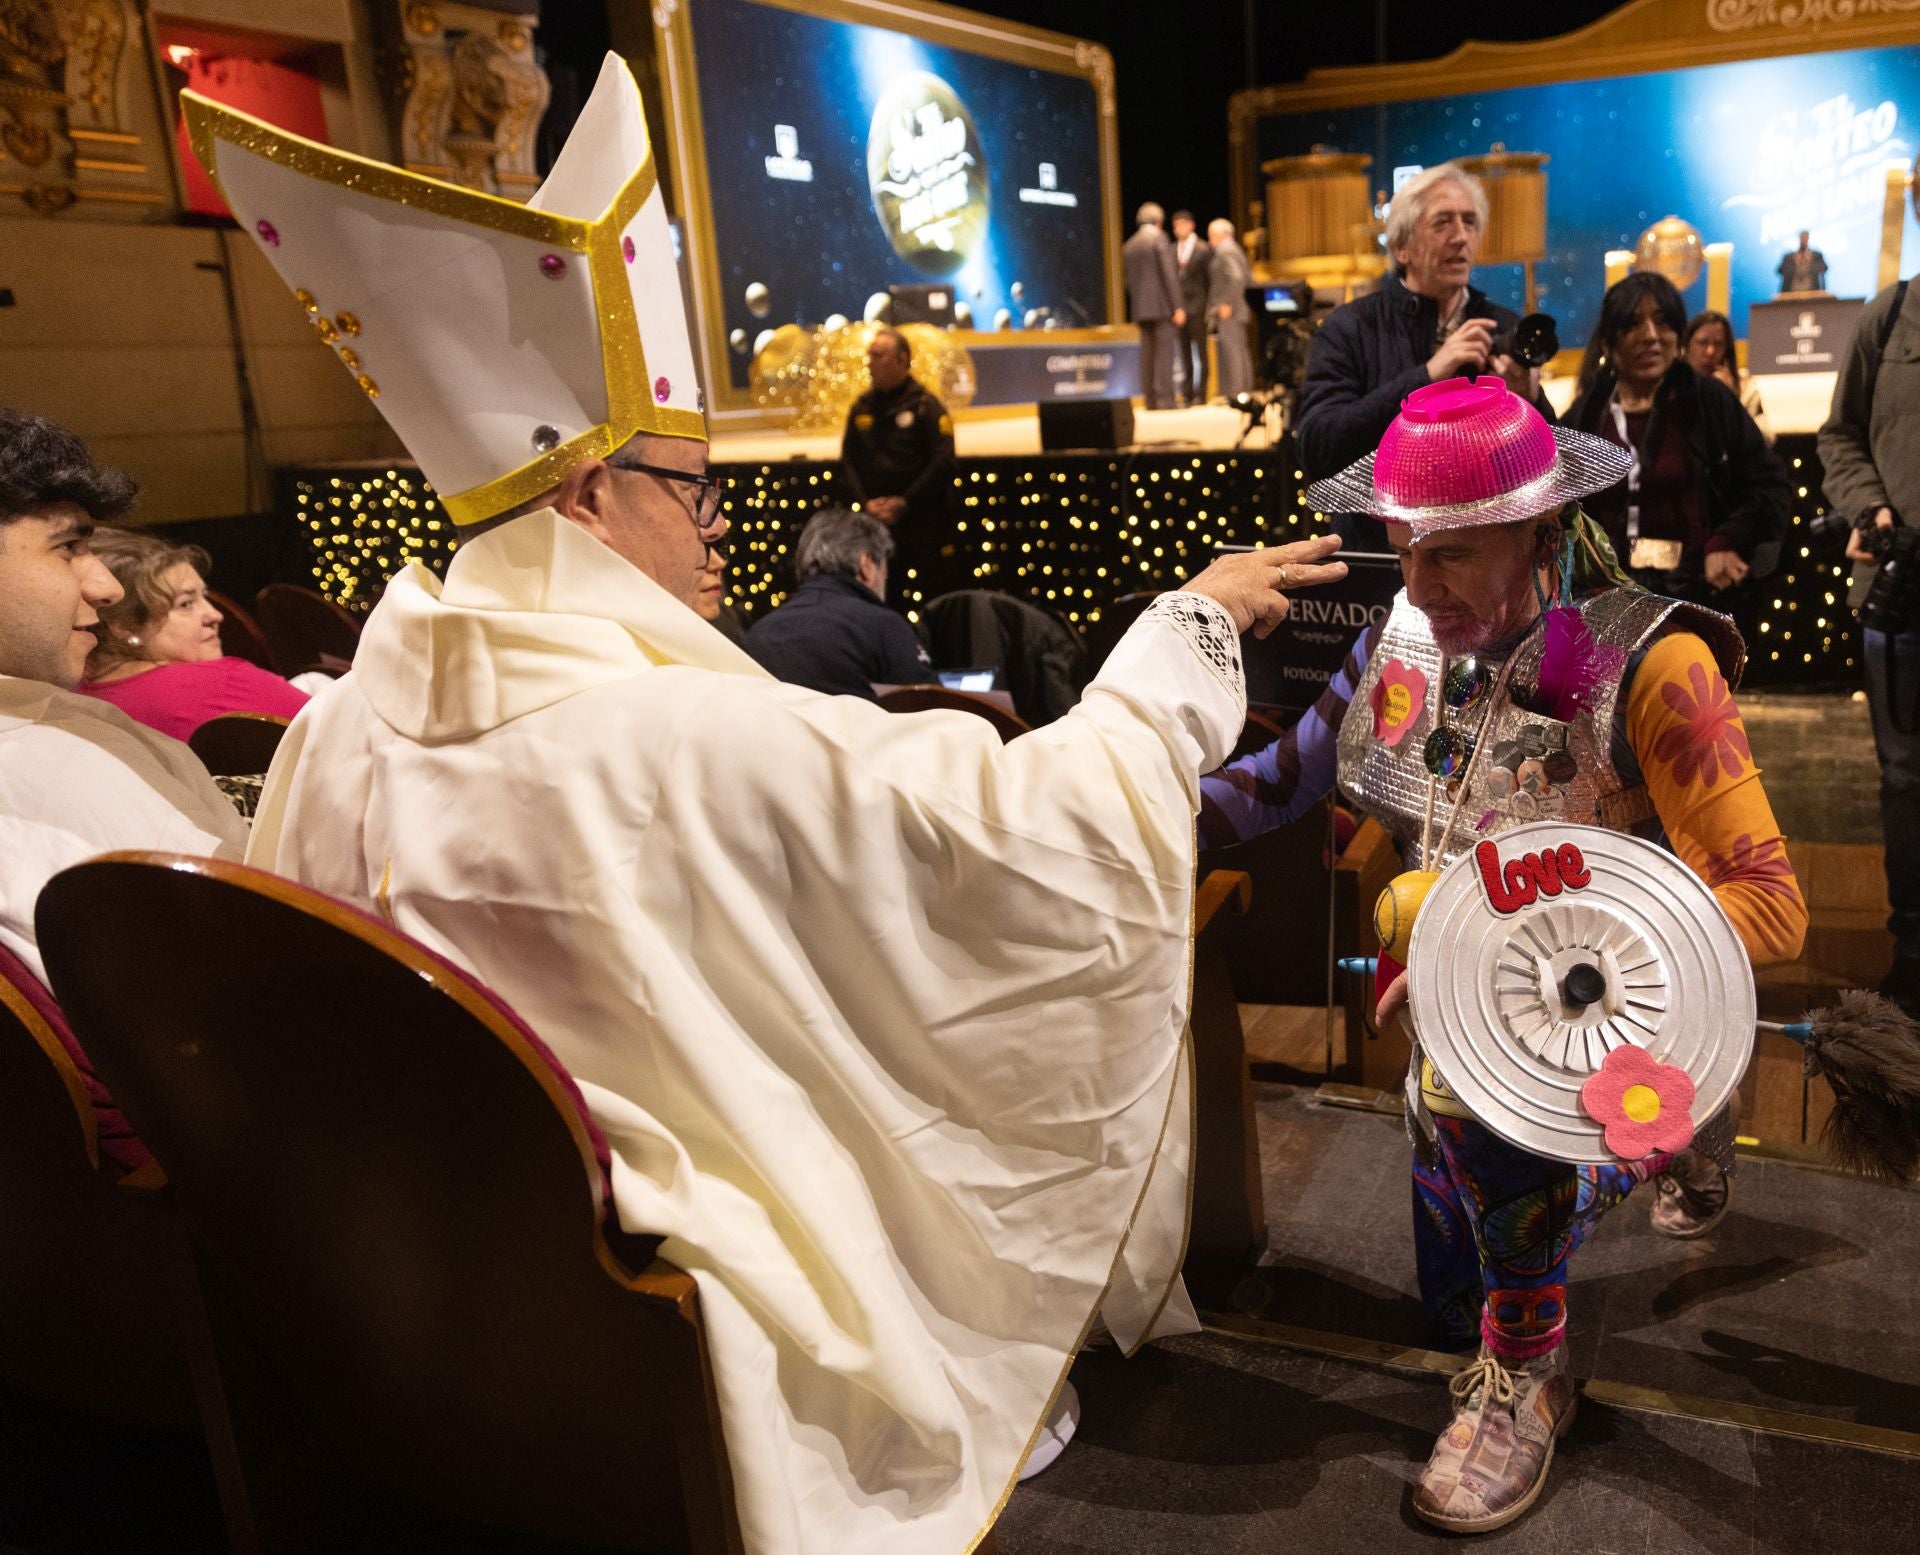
<point x="881" y="1018"/>
<point x="1519" y="678"/>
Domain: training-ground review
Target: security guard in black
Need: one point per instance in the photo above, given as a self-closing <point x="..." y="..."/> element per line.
<point x="896" y="458"/>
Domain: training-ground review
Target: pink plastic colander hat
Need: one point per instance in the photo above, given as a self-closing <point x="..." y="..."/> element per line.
<point x="1470" y="452"/>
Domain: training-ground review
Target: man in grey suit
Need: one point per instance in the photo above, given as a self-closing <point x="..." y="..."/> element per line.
<point x="1228" y="277"/>
<point x="1153" y="290"/>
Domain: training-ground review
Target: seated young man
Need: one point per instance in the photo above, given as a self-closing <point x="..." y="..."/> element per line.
<point x="77" y="777"/>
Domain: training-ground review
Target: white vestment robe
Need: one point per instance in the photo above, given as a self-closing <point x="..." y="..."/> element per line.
<point x="882" y="1019"/>
<point x="79" y="777"/>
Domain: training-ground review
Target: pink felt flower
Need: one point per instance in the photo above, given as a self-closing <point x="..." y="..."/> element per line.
<point x="1399" y="698"/>
<point x="1643" y="1104"/>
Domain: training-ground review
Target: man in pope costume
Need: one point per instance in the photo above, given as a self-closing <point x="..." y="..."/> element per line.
<point x="882" y="1019"/>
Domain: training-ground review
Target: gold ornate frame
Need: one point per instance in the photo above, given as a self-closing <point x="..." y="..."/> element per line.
<point x="729" y="408"/>
<point x="1642" y="37"/>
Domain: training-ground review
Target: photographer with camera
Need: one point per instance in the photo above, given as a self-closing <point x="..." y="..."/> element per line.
<point x="1425" y="323"/>
<point x="1870" y="448"/>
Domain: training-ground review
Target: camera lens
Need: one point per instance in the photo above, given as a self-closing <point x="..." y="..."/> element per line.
<point x="1536" y="339"/>
<point x="1827" y="525"/>
<point x="1532" y="342"/>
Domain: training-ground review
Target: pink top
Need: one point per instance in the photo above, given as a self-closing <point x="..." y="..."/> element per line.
<point x="177" y="698"/>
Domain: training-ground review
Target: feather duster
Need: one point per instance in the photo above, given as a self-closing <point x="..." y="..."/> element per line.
<point x="1573" y="666"/>
<point x="1869" y="1052"/>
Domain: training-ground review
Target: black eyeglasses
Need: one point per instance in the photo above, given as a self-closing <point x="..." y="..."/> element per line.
<point x="710" y="490"/>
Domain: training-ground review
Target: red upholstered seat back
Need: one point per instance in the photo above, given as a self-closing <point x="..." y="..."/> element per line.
<point x="117" y="1141"/>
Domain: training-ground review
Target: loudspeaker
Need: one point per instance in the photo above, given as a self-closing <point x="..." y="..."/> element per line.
<point x="1085" y="424"/>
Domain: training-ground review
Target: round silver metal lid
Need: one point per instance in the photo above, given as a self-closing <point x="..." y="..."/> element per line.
<point x="1548" y="946"/>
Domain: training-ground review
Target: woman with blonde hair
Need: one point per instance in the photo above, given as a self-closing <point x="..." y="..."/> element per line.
<point x="159" y="659"/>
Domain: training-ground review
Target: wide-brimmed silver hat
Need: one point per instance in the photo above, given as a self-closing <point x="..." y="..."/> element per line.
<point x="1464" y="453"/>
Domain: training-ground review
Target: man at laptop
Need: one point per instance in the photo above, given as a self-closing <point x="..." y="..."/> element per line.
<point x="835" y="633"/>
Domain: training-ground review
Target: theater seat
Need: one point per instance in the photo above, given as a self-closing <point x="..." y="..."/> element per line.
<point x="305" y="630"/>
<point x="238" y="744"/>
<point x="1041" y="659"/>
<point x="85" y="1299"/>
<point x="921" y="699"/>
<point x="240" y="634"/>
<point x="393" y="1197"/>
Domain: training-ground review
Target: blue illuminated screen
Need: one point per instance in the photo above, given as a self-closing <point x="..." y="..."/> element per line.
<point x="1749" y="153"/>
<point x="805" y="224"/>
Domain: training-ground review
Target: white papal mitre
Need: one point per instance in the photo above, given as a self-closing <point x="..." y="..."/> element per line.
<point x="504" y="343"/>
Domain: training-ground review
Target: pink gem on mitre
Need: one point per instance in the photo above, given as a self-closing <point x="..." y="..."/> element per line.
<point x="626" y="249"/>
<point x="1643" y="1104"/>
<point x="552" y="266"/>
<point x="661" y="389"/>
<point x="269" y="234"/>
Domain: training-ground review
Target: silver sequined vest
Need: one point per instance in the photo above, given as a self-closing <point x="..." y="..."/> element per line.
<point x="1534" y="767"/>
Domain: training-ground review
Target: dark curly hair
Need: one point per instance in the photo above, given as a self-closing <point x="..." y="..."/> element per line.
<point x="41" y="464"/>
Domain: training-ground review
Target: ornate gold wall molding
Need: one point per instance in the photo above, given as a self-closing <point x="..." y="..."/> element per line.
<point x="467" y="95"/>
<point x="1734" y="15"/>
<point x="66" y="67"/>
<point x="1642" y="36"/>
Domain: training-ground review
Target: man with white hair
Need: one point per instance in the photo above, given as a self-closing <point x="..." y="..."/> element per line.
<point x="1228" y="277"/>
<point x="1153" y="292"/>
<point x="1425" y="323"/>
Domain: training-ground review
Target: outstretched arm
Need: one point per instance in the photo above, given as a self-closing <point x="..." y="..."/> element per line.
<point x="1277" y="785"/>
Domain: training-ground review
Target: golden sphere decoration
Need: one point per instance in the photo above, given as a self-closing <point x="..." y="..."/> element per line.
<point x="1671" y="247"/>
<point x="819" y="373"/>
<point x="927" y="173"/>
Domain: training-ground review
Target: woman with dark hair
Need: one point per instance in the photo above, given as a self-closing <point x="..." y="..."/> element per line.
<point x="1708" y="347"/>
<point x="1706" y="496"/>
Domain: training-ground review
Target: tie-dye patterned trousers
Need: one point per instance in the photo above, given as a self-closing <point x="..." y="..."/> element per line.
<point x="1494" y="1228"/>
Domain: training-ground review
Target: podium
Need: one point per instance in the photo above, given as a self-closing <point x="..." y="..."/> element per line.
<point x="1805" y="332"/>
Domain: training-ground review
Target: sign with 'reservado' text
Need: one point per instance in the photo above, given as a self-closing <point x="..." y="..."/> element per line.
<point x="1289" y="668"/>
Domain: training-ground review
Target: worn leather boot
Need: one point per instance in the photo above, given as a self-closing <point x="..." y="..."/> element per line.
<point x="1488" y="1466"/>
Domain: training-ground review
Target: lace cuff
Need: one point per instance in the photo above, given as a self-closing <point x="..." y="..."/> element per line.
<point x="1208" y="628"/>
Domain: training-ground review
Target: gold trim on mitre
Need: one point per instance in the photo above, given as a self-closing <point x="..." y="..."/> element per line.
<point x="630" y="404"/>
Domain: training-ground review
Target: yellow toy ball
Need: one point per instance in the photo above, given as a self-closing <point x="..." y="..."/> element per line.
<point x="1393" y="914"/>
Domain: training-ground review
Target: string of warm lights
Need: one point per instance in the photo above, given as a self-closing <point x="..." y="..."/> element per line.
<point x="1072" y="532"/>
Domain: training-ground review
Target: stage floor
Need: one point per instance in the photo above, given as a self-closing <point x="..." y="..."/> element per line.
<point x="998" y="435"/>
<point x="1795" y="403"/>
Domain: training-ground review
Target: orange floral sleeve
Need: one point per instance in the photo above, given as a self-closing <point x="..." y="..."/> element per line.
<point x="1692" y="747"/>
